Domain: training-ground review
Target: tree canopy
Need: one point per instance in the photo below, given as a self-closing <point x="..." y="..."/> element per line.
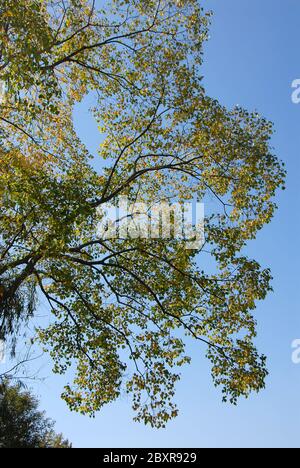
<point x="22" y="425"/>
<point x="121" y="307"/>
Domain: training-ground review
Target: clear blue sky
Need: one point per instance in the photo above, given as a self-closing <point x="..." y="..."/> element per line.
<point x="251" y="60"/>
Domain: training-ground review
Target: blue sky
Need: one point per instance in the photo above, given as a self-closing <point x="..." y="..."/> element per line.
<point x="251" y="59"/>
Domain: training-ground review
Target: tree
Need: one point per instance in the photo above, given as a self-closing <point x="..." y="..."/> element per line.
<point x="121" y="307"/>
<point x="22" y="425"/>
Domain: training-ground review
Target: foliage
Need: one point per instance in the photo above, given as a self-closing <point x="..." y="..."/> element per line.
<point x="22" y="425"/>
<point x="121" y="307"/>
